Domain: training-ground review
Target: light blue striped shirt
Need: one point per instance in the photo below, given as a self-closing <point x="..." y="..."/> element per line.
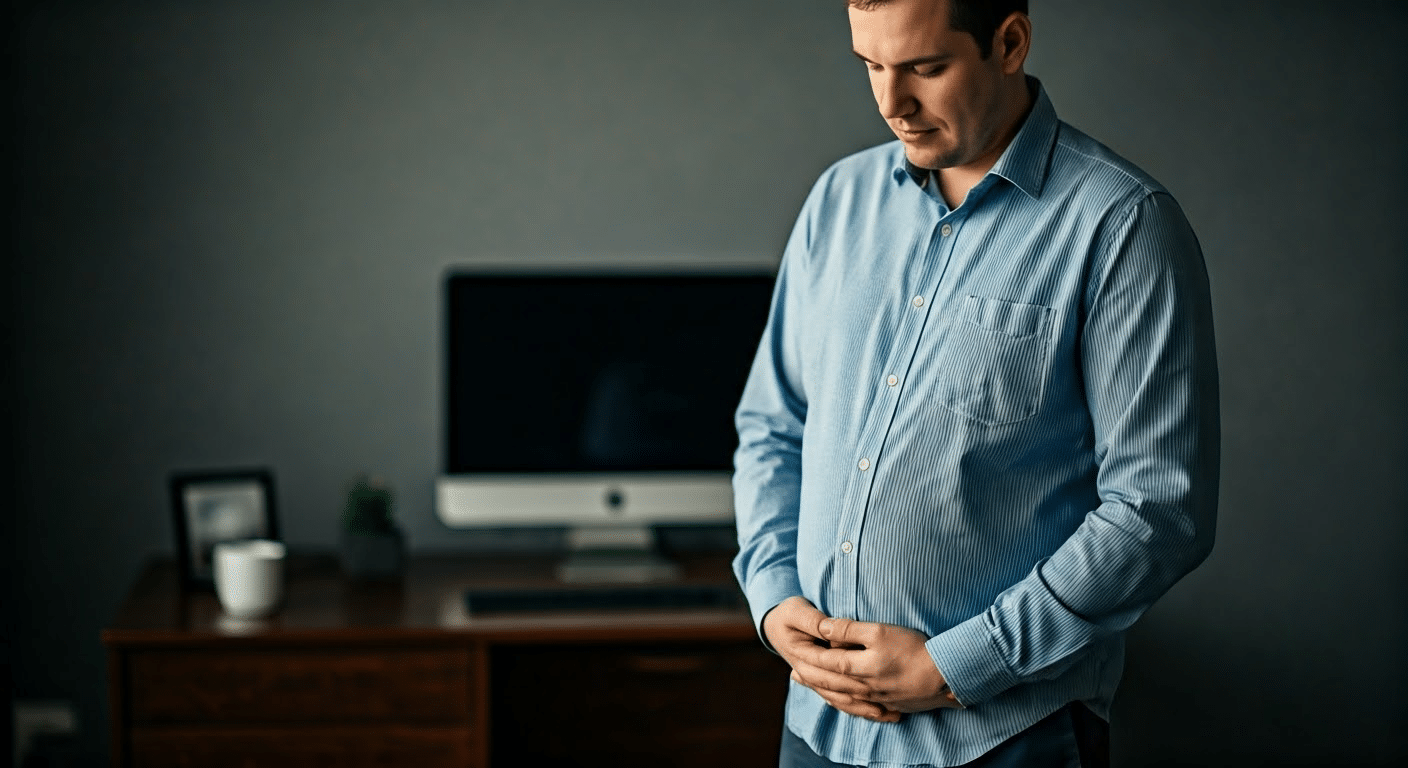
<point x="996" y="424"/>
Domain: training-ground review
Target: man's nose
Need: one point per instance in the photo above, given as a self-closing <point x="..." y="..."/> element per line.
<point x="893" y="96"/>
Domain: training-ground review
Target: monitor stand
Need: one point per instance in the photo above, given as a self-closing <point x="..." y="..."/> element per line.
<point x="615" y="555"/>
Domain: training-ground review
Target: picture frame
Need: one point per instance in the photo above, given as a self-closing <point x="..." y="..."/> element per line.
<point x="211" y="506"/>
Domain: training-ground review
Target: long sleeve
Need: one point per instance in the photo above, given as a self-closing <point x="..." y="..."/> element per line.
<point x="1149" y="372"/>
<point x="768" y="463"/>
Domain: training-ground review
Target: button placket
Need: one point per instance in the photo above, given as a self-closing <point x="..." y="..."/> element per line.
<point x="932" y="263"/>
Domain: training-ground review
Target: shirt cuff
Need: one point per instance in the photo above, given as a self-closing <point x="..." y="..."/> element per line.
<point x="765" y="590"/>
<point x="969" y="662"/>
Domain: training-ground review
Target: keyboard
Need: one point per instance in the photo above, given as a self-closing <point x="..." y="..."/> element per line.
<point x="603" y="598"/>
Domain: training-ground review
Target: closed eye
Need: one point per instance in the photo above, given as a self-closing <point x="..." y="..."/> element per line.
<point x="924" y="66"/>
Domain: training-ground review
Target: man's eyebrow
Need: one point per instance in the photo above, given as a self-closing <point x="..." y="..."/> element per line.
<point x="934" y="59"/>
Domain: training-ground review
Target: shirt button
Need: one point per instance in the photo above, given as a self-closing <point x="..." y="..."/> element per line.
<point x="864" y="464"/>
<point x="846" y="547"/>
<point x="947" y="230"/>
<point x="893" y="380"/>
<point x="917" y="301"/>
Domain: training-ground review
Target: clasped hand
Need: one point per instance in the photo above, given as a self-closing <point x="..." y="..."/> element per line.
<point x="874" y="671"/>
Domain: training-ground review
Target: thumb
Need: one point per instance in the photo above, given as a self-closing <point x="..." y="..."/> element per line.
<point x="838" y="630"/>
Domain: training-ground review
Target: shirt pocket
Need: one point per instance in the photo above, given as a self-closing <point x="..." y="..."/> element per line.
<point x="994" y="361"/>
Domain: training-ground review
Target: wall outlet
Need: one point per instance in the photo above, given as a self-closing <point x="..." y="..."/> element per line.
<point x="36" y="718"/>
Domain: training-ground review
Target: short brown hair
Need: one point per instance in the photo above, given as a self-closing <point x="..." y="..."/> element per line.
<point x="979" y="18"/>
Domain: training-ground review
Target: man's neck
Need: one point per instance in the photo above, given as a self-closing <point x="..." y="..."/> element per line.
<point x="955" y="183"/>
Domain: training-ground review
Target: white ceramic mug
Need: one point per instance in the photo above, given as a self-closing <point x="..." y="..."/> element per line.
<point x="249" y="577"/>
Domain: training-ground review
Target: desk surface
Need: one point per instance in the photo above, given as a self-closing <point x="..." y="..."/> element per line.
<point x="320" y="604"/>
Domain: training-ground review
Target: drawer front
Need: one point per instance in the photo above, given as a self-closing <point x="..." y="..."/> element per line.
<point x="300" y="685"/>
<point x="307" y="747"/>
<point x="663" y="704"/>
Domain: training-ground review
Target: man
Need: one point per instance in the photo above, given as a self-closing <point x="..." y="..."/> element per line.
<point x="980" y="436"/>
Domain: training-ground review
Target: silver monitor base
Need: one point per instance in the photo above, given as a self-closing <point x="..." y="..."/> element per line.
<point x="625" y="555"/>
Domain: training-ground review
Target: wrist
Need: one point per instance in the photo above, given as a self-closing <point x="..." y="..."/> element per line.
<point x="946" y="693"/>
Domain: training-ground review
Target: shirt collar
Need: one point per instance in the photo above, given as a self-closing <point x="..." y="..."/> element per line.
<point x="1025" y="160"/>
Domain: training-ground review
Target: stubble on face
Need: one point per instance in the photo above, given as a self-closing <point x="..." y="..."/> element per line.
<point x="931" y="84"/>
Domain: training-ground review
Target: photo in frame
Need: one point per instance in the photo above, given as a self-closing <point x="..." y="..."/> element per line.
<point x="219" y="505"/>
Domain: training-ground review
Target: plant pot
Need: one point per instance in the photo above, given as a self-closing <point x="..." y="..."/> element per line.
<point x="373" y="556"/>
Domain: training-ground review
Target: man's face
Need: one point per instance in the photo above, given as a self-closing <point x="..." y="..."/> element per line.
<point x="931" y="83"/>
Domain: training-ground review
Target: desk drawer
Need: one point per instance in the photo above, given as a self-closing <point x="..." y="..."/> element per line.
<point x="638" y="705"/>
<point x="300" y="685"/>
<point x="306" y="747"/>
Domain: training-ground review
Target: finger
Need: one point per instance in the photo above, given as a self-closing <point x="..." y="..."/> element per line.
<point x="816" y="677"/>
<point x="867" y="711"/>
<point x="808" y="619"/>
<point x="795" y="614"/>
<point x="795" y="646"/>
<point x="841" y="661"/>
<point x="804" y="618"/>
<point x="849" y="632"/>
<point x="858" y="707"/>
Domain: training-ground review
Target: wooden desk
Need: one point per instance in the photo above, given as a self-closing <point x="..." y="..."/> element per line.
<point x="398" y="674"/>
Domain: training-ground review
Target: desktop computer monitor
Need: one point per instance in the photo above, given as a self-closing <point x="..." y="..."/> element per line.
<point x="601" y="402"/>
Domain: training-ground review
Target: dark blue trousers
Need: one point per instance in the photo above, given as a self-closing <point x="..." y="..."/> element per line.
<point x="1070" y="737"/>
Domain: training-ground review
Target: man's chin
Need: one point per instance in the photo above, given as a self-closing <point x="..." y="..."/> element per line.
<point x="927" y="159"/>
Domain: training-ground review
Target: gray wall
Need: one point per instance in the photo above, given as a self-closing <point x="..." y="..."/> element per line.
<point x="234" y="216"/>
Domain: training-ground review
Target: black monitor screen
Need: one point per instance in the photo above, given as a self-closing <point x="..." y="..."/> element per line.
<point x="589" y="373"/>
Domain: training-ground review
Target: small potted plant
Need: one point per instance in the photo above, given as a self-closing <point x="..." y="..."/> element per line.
<point x="372" y="545"/>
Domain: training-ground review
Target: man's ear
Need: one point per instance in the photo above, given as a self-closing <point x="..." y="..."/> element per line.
<point x="1012" y="41"/>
